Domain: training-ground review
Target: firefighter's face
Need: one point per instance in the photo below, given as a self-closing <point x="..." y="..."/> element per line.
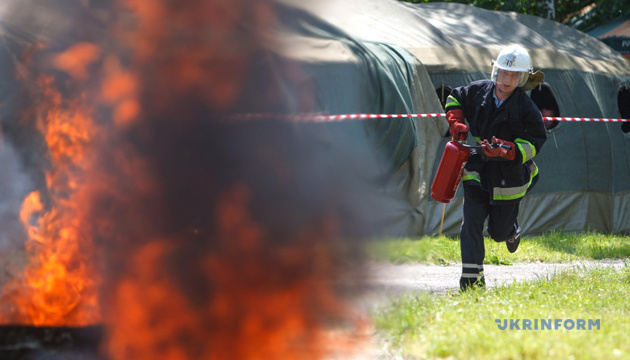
<point x="507" y="81"/>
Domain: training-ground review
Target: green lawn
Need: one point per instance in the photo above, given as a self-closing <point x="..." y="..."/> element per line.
<point x="555" y="246"/>
<point x="463" y="325"/>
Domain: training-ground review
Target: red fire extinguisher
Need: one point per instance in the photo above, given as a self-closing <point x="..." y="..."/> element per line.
<point x="449" y="172"/>
<point x="450" y="169"/>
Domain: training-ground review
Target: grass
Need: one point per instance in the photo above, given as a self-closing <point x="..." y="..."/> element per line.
<point x="462" y="325"/>
<point x="552" y="247"/>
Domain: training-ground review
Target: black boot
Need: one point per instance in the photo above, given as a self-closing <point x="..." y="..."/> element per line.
<point x="469" y="283"/>
<point x="514" y="240"/>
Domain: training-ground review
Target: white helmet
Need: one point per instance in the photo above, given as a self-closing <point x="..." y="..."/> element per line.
<point x="512" y="58"/>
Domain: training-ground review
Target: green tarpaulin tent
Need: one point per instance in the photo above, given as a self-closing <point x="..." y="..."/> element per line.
<point x="385" y="56"/>
<point x="584" y="166"/>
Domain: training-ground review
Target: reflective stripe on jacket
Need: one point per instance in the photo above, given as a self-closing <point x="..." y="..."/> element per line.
<point x="517" y="120"/>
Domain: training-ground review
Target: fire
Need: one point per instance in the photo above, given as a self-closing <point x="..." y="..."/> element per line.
<point x="53" y="288"/>
<point x="75" y="60"/>
<point x="119" y="91"/>
<point x="154" y="223"/>
<point x="259" y="301"/>
<point x="199" y="273"/>
<point x="59" y="285"/>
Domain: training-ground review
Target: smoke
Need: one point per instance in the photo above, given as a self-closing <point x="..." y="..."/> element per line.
<point x="21" y="157"/>
<point x="54" y="22"/>
<point x="232" y="232"/>
<point x="15" y="184"/>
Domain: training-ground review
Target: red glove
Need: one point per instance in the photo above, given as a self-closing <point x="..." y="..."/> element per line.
<point x="457" y="128"/>
<point x="496" y="150"/>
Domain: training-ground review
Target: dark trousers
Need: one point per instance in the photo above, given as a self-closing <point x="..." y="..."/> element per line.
<point x="501" y="226"/>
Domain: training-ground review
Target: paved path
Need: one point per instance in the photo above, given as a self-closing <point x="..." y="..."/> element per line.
<point x="385" y="280"/>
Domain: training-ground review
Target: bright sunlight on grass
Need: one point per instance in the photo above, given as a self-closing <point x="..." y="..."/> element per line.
<point x="464" y="326"/>
<point x="553" y="247"/>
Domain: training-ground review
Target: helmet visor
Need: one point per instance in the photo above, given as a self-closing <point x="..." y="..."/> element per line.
<point x="522" y="77"/>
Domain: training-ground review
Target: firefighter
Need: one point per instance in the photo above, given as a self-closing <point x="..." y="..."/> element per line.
<point x="496" y="112"/>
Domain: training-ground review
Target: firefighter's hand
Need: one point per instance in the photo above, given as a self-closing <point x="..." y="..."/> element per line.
<point x="499" y="148"/>
<point x="456" y="126"/>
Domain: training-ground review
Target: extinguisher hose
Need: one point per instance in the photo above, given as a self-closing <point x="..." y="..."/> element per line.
<point x="478" y="147"/>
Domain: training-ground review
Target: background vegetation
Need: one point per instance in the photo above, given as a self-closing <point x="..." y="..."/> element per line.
<point x="566" y="11"/>
<point x="551" y="247"/>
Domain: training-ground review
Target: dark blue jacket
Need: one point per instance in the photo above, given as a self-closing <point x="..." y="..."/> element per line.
<point x="517" y="120"/>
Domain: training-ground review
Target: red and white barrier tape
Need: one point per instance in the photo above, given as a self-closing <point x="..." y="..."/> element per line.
<point x="316" y="118"/>
<point x="583" y="119"/>
<point x="328" y="118"/>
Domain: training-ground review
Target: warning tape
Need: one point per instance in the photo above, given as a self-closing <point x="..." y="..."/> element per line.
<point x="583" y="119"/>
<point x="316" y="118"/>
<point x="329" y="118"/>
<point x="319" y="117"/>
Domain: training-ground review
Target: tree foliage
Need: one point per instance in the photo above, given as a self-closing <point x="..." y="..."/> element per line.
<point x="567" y="11"/>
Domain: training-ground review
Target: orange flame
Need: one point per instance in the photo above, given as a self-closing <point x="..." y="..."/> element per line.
<point x="76" y="59"/>
<point x="119" y="90"/>
<point x="228" y="290"/>
<point x="251" y="297"/>
<point x="59" y="285"/>
<point x="266" y="301"/>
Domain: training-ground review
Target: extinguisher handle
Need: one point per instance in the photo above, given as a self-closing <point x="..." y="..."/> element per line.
<point x="463" y="144"/>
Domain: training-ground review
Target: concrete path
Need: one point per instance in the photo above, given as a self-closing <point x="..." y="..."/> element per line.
<point x="386" y="280"/>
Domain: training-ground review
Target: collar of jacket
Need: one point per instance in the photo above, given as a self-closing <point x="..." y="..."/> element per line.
<point x="489" y="98"/>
